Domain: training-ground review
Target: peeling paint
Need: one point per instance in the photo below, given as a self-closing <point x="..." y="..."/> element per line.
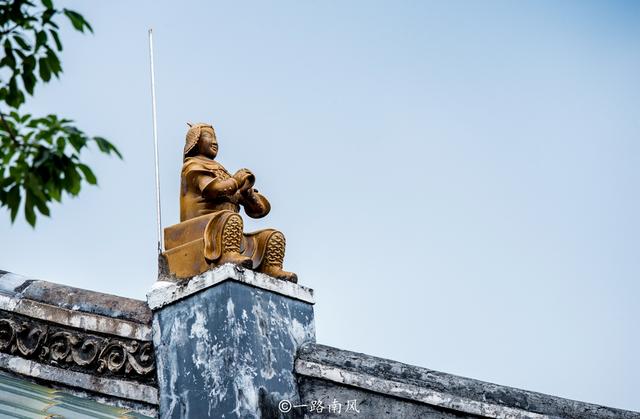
<point x="298" y="332"/>
<point x="241" y="343"/>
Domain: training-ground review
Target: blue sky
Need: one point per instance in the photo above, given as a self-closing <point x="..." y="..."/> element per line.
<point x="458" y="181"/>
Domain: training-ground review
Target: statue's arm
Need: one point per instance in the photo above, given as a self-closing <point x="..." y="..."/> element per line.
<point x="212" y="188"/>
<point x="255" y="204"/>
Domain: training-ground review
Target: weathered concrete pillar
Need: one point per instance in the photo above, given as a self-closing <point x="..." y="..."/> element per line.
<point x="226" y="342"/>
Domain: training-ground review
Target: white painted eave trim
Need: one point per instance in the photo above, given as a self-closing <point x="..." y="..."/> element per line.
<point x="81" y="320"/>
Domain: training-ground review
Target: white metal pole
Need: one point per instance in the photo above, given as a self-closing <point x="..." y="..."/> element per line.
<point x="155" y="141"/>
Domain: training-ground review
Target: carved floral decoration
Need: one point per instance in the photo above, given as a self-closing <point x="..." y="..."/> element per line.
<point x="76" y="350"/>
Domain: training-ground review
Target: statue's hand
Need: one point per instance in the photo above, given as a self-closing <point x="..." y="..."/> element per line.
<point x="244" y="172"/>
<point x="245" y="179"/>
<point x="248" y="193"/>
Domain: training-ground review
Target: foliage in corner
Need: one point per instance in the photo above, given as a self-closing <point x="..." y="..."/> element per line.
<point x="39" y="156"/>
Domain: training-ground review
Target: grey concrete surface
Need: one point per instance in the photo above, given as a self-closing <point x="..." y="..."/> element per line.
<point x="229" y="351"/>
<point x="385" y="386"/>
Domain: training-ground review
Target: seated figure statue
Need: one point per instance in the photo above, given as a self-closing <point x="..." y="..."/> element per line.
<point x="211" y="230"/>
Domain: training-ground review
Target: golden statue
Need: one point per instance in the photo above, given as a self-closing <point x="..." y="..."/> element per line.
<point x="210" y="230"/>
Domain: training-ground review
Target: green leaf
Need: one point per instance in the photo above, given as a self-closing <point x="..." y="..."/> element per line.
<point x="43" y="69"/>
<point x="8" y="154"/>
<point x="77" y="140"/>
<point x="29" y="213"/>
<point x="54" y="62"/>
<point x="77" y="20"/>
<point x="29" y="81"/>
<point x="42" y="207"/>
<point x="23" y="44"/>
<point x="4" y="183"/>
<point x="55" y="192"/>
<point x="13" y="201"/>
<point x="48" y="4"/>
<point x="9" y="59"/>
<point x="88" y="174"/>
<point x="16" y="173"/>
<point x="46" y="18"/>
<point x="13" y="97"/>
<point x="36" y="194"/>
<point x="106" y="147"/>
<point x="29" y="63"/>
<point x="41" y="39"/>
<point x="72" y="180"/>
<point x="56" y="39"/>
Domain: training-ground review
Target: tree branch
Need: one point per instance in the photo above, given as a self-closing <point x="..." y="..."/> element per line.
<point x="8" y="31"/>
<point x="9" y="130"/>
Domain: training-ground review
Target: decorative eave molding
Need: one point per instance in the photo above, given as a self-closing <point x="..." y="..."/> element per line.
<point x="65" y="335"/>
<point x="76" y="350"/>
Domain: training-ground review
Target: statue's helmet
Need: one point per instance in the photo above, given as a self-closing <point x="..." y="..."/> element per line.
<point x="193" y="135"/>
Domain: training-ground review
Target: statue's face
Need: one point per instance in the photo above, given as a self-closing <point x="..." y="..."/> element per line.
<point x="208" y="145"/>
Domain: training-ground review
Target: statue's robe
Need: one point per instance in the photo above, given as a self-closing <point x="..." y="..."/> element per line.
<point x="218" y="210"/>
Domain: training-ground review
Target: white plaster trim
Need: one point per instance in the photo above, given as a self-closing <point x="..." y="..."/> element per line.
<point x="8" y="303"/>
<point x="10" y="281"/>
<point x="81" y="320"/>
<point x="108" y="386"/>
<point x="412" y="392"/>
<point x="11" y="301"/>
<point x="165" y="292"/>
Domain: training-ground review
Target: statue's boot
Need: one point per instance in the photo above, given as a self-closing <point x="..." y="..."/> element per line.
<point x="231" y="240"/>
<point x="274" y="257"/>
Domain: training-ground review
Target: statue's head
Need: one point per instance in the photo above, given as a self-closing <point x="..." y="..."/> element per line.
<point x="201" y="140"/>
